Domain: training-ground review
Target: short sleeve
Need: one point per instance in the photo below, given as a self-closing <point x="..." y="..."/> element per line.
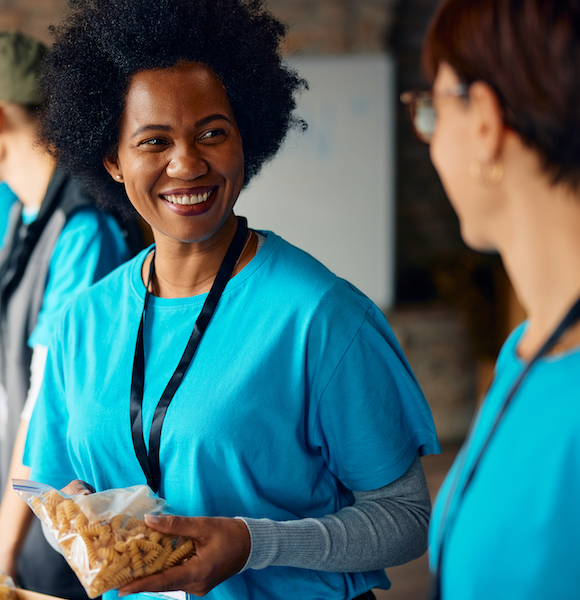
<point x="372" y="417"/>
<point x="90" y="246"/>
<point x="7" y="199"/>
<point x="46" y="450"/>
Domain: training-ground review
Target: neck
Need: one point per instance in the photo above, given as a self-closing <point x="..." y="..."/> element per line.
<point x="183" y="270"/>
<point x="542" y="259"/>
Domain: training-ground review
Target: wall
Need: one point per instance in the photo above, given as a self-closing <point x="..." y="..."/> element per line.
<point x="330" y="189"/>
<point x="316" y="27"/>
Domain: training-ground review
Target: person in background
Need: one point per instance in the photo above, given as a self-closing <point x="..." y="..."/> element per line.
<point x="297" y="411"/>
<point x="503" y="125"/>
<point x="7" y="199"/>
<point x="57" y="244"/>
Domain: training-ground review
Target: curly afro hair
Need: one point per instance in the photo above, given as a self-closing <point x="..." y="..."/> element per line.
<point x="101" y="44"/>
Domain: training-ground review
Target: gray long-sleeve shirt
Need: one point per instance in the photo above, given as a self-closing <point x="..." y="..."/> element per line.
<point x="383" y="528"/>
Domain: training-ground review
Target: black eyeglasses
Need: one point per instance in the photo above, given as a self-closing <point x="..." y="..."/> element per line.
<point x="419" y="105"/>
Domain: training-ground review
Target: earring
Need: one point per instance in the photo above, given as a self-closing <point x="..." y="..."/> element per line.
<point x="118" y="177"/>
<point x="488" y="173"/>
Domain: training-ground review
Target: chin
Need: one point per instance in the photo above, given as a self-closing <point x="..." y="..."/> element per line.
<point x="478" y="243"/>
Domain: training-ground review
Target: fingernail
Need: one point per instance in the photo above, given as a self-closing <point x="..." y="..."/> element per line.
<point x="152" y="518"/>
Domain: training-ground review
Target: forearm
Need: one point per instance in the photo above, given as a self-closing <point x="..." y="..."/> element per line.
<point x="383" y="528"/>
<point x="15" y="516"/>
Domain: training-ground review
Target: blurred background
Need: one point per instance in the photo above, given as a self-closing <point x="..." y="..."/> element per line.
<point x="359" y="192"/>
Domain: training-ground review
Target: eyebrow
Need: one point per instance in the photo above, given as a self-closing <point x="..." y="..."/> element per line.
<point x="200" y="123"/>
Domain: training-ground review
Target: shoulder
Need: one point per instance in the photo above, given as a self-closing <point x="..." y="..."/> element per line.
<point x="116" y="289"/>
<point x="305" y="280"/>
<point x="67" y="192"/>
<point x="79" y="208"/>
<point x="91" y="220"/>
<point x="325" y="311"/>
<point x="84" y="219"/>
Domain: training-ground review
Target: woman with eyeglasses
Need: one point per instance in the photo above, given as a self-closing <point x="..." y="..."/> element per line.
<point x="503" y="123"/>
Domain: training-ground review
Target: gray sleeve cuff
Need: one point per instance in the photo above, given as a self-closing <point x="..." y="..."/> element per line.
<point x="275" y="542"/>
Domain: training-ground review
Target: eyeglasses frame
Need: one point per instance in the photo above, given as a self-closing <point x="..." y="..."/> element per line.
<point x="411" y="98"/>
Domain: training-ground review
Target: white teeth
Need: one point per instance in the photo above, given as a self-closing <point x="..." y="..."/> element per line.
<point x="188" y="200"/>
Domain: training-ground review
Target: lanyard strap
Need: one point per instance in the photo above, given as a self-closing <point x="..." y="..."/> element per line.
<point x="149" y="461"/>
<point x="569" y="320"/>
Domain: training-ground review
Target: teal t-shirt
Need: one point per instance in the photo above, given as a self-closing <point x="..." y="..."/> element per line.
<point x="89" y="247"/>
<point x="298" y="393"/>
<point x="7" y="200"/>
<point x="515" y="533"/>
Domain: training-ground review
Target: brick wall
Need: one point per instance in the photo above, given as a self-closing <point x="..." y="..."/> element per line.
<point x="316" y="27"/>
<point x="335" y="26"/>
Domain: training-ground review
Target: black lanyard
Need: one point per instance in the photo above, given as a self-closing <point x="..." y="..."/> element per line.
<point x="150" y="461"/>
<point x="444" y="527"/>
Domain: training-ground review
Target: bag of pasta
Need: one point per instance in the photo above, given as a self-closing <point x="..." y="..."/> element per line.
<point x="103" y="536"/>
<point x="7" y="587"/>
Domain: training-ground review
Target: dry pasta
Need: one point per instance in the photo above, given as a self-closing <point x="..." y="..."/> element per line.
<point x="108" y="553"/>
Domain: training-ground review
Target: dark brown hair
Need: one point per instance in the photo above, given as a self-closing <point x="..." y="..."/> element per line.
<point x="528" y="51"/>
<point x="100" y="44"/>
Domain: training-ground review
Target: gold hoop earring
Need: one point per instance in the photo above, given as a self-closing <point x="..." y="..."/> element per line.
<point x="486" y="174"/>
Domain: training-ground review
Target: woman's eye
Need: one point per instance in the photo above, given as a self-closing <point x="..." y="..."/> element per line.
<point x="153" y="142"/>
<point x="214" y="135"/>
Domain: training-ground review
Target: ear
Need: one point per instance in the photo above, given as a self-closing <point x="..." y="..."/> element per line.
<point x="489" y="128"/>
<point x="111" y="163"/>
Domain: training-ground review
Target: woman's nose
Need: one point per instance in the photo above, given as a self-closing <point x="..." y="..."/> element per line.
<point x="187" y="163"/>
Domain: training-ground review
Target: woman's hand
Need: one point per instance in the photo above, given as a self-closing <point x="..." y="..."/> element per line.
<point x="222" y="548"/>
<point x="77" y="487"/>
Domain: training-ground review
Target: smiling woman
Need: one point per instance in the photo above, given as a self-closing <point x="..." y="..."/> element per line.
<point x="180" y="155"/>
<point x="282" y="418"/>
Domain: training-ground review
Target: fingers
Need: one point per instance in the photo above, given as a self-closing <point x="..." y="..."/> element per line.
<point x="176" y="578"/>
<point x="222" y="548"/>
<point x="78" y="488"/>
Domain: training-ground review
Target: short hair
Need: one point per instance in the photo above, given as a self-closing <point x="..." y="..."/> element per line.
<point x="528" y="51"/>
<point x="100" y="44"/>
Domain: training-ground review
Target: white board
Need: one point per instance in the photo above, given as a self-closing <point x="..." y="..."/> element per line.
<point x="330" y="191"/>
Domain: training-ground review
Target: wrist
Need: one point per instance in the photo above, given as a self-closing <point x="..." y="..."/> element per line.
<point x="8" y="557"/>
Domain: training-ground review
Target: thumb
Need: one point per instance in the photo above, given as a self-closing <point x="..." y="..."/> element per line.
<point x="167" y="524"/>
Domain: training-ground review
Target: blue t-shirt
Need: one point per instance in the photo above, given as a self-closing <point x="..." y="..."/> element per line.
<point x="89" y="247"/>
<point x="297" y="394"/>
<point x="515" y="533"/>
<point x="7" y="199"/>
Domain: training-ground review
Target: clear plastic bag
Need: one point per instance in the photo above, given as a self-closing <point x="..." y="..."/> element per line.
<point x="103" y="536"/>
<point x="7" y="587"/>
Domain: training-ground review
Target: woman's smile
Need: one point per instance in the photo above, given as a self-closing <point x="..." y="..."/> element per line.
<point x="186" y="197"/>
<point x="190" y="202"/>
